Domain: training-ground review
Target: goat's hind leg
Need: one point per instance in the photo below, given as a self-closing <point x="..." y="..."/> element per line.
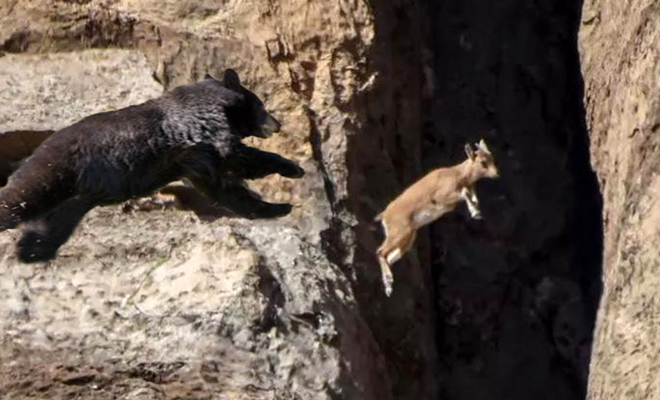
<point x="390" y="252"/>
<point x="42" y="238"/>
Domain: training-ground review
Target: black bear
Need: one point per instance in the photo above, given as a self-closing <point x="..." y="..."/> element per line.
<point x="194" y="132"/>
<point x="15" y="146"/>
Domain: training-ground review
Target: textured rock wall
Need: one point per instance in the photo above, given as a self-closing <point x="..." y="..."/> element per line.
<point x="619" y="45"/>
<point x="158" y="304"/>
<point x="147" y="301"/>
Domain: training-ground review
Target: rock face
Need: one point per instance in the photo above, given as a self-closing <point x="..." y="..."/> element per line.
<point x="54" y="90"/>
<point x="619" y="46"/>
<point x="150" y="302"/>
<point x="176" y="306"/>
<point x="160" y="305"/>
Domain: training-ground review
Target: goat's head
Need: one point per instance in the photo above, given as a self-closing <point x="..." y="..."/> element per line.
<point x="482" y="160"/>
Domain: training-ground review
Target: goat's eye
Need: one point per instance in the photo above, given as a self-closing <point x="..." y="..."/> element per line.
<point x="484" y="164"/>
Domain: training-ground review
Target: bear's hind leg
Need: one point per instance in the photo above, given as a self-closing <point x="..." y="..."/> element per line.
<point x="41" y="240"/>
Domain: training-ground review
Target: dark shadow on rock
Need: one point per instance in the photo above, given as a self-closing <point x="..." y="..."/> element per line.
<point x="189" y="199"/>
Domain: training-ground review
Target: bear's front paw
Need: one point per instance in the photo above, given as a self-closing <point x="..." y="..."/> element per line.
<point x="292" y="170"/>
<point x="34" y="247"/>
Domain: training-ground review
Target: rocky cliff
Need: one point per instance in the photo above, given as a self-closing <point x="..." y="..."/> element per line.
<point x="148" y="301"/>
<point x="619" y="45"/>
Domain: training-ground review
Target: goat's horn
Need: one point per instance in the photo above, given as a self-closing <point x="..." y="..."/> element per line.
<point x="482" y="145"/>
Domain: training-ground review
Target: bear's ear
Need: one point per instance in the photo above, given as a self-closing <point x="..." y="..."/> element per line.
<point x="231" y="80"/>
<point x="207" y="76"/>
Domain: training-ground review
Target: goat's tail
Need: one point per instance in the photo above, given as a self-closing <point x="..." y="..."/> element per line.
<point x="32" y="190"/>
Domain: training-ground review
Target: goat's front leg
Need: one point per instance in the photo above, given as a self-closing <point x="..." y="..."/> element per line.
<point x="470" y="196"/>
<point x="386" y="275"/>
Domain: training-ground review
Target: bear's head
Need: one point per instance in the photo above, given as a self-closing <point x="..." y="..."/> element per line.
<point x="247" y="116"/>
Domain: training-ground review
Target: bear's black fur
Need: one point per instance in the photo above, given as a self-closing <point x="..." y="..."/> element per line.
<point x="193" y="132"/>
<point x="15" y="146"/>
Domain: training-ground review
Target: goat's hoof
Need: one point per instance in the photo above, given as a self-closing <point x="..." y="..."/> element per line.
<point x="387" y="282"/>
<point x="477" y="216"/>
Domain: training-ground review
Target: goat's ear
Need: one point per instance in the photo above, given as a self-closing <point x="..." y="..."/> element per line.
<point x="469" y="152"/>
<point x="482" y="146"/>
<point x="231" y="80"/>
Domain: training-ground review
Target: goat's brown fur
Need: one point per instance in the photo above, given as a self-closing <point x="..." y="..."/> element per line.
<point x="434" y="195"/>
